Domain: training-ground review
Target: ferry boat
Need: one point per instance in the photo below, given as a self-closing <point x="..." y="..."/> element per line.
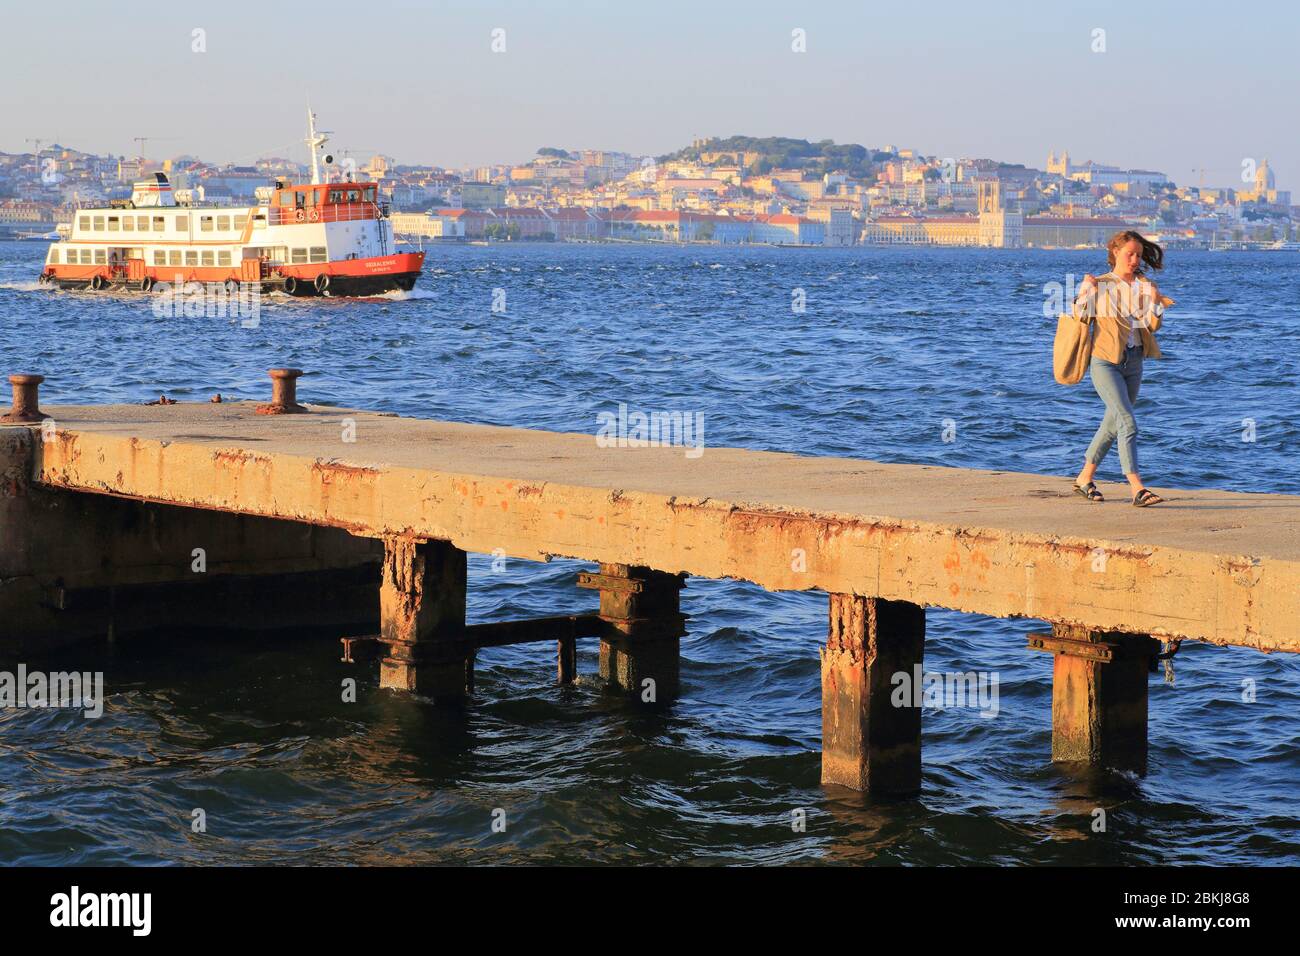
<point x="315" y="238"/>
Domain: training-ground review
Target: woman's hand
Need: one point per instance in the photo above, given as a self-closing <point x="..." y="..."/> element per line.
<point x="1150" y="307"/>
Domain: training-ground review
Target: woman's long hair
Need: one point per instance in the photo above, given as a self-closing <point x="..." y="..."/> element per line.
<point x="1152" y="254"/>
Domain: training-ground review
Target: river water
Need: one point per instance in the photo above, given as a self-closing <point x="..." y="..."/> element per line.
<point x="892" y="347"/>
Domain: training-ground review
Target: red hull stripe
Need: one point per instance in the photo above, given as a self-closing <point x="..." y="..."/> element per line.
<point x="399" y="264"/>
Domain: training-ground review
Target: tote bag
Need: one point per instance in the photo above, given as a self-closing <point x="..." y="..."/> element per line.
<point x="1072" y="349"/>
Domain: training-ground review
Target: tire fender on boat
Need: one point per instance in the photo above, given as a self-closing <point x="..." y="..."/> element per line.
<point x="322" y="283"/>
<point x="291" y="285"/>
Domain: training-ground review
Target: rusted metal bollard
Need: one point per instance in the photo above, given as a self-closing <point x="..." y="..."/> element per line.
<point x="26" y="408"/>
<point x="284" y="393"/>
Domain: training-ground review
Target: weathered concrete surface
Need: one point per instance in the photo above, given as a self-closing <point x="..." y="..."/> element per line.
<point x="1099" y="709"/>
<point x="640" y="650"/>
<point x="1208" y="565"/>
<point x="75" y="566"/>
<point x="422" y="617"/>
<point x="869" y="743"/>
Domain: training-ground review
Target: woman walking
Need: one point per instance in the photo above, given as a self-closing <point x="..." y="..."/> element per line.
<point x="1127" y="309"/>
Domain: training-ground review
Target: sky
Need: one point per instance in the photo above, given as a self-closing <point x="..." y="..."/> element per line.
<point x="1179" y="86"/>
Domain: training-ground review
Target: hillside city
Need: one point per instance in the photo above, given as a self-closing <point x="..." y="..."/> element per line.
<point x="733" y="190"/>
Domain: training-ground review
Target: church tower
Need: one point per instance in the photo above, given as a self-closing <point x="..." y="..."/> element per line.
<point x="997" y="228"/>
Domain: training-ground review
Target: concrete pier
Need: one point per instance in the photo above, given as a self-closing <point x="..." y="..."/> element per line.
<point x="885" y="541"/>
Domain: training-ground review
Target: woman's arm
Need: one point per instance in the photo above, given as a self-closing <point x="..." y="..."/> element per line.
<point x="1154" y="306"/>
<point x="1085" y="303"/>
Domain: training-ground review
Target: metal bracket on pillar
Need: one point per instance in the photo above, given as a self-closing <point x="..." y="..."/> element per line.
<point x="1103" y="648"/>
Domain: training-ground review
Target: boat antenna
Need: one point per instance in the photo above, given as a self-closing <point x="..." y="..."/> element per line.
<point x="315" y="141"/>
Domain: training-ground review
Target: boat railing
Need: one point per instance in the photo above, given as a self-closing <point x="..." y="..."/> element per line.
<point x="330" y="212"/>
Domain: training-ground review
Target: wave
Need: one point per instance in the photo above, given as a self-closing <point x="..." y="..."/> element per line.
<point x="397" y="295"/>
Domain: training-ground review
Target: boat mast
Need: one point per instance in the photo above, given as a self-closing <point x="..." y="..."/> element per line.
<point x="314" y="142"/>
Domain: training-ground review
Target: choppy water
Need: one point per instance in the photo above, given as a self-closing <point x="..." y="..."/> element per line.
<point x="891" y="344"/>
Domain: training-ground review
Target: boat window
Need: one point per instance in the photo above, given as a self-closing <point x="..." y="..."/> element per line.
<point x="298" y="255"/>
<point x="159" y="224"/>
<point x="223" y="258"/>
<point x="336" y="195"/>
<point x="286" y="198"/>
<point x="241" y="220"/>
<point x="101" y="257"/>
<point x="99" y="223"/>
<point x="128" y="223"/>
<point x="370" y="193"/>
<point x="142" y="223"/>
<point x="208" y="258"/>
<point x="318" y="254"/>
<point x="54" y="254"/>
<point x="223" y="223"/>
<point x="300" y="200"/>
<point x="174" y="257"/>
<point x="112" y="224"/>
<point x="83" y="223"/>
<point x="159" y="258"/>
<point x="354" y="195"/>
<point x="85" y="257"/>
<point x="182" y="223"/>
<point x="205" y="223"/>
<point x="191" y="257"/>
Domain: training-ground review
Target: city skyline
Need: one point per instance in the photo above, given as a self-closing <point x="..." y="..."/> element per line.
<point x="428" y="88"/>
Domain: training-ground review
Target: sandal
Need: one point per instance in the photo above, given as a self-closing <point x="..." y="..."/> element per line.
<point x="1146" y="497"/>
<point x="1089" y="491"/>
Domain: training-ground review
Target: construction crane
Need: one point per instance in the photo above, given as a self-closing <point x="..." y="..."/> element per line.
<point x="141" y="140"/>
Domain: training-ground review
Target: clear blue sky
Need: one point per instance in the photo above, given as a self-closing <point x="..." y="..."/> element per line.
<point x="1176" y="89"/>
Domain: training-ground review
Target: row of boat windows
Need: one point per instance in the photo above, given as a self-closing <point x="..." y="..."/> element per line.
<point x="159" y="223"/>
<point x="189" y="257"/>
<point x="309" y="197"/>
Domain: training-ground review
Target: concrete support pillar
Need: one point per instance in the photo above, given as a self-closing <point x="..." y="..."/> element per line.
<point x="867" y="742"/>
<point x="1099" y="696"/>
<point x="422" y="620"/>
<point x="640" y="648"/>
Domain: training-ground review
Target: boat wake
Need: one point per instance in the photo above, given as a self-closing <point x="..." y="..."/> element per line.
<point x="396" y="295"/>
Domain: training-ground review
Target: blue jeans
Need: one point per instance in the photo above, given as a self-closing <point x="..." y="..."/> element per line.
<point x="1118" y="387"/>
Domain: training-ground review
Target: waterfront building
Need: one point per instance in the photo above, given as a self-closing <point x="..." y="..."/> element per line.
<point x="441" y="224"/>
<point x="1070" y="232"/>
<point x="480" y="195"/>
<point x="998" y="227"/>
